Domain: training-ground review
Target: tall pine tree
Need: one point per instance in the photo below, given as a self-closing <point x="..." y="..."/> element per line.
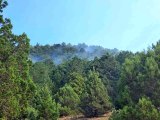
<point x="95" y="98"/>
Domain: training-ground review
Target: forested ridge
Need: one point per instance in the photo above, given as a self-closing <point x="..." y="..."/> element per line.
<point x="63" y="52"/>
<point x="82" y="83"/>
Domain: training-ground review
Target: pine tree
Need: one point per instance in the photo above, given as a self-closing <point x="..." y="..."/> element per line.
<point x="17" y="90"/>
<point x="143" y="110"/>
<point x="16" y="87"/>
<point x="95" y="98"/>
<point x="76" y="81"/>
<point x="44" y="103"/>
<point x="68" y="100"/>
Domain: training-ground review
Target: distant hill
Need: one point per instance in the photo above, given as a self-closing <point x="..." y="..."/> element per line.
<point x="62" y="52"/>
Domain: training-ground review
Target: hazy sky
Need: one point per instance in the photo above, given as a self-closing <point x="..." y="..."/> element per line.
<point x="123" y="24"/>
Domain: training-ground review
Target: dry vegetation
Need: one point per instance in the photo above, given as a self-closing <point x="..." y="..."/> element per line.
<point x="104" y="117"/>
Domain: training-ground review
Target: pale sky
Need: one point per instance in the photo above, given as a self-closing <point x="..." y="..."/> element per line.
<point x="122" y="24"/>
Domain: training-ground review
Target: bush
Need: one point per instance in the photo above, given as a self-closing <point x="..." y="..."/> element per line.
<point x="68" y="100"/>
<point x="144" y="110"/>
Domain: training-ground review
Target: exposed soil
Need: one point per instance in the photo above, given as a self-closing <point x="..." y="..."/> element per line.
<point x="104" y="117"/>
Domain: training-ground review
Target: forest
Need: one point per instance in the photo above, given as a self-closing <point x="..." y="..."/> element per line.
<point x="62" y="52"/>
<point x="47" y="82"/>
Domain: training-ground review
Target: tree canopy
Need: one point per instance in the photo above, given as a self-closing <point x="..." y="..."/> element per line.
<point x="47" y="82"/>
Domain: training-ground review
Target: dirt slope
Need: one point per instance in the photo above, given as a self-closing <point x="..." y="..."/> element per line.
<point x="104" y="117"/>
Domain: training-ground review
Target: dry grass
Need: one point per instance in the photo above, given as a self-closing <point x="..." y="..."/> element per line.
<point x="104" y="117"/>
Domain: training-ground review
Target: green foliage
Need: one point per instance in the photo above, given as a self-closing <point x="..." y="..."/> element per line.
<point x="63" y="52"/>
<point x="16" y="88"/>
<point x="19" y="96"/>
<point x="141" y="75"/>
<point x="127" y="113"/>
<point x="144" y="110"/>
<point x="68" y="100"/>
<point x="123" y="55"/>
<point x="123" y="77"/>
<point x="109" y="70"/>
<point x="62" y="74"/>
<point x="32" y="113"/>
<point x="76" y="81"/>
<point x="41" y="74"/>
<point x="95" y="99"/>
<point x="46" y="105"/>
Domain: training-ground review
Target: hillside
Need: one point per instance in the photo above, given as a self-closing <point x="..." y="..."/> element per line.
<point x="63" y="52"/>
<point x="75" y="82"/>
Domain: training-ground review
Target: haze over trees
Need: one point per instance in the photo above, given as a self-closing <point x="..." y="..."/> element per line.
<point x="63" y="52"/>
<point x="34" y="86"/>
